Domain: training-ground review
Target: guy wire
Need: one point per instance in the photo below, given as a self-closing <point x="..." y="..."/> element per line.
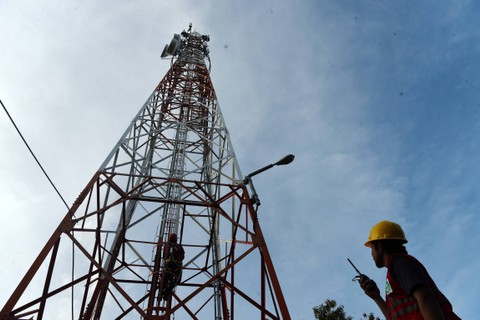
<point x="58" y="192"/>
<point x="31" y="152"/>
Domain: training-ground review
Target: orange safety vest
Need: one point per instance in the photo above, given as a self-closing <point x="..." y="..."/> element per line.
<point x="403" y="306"/>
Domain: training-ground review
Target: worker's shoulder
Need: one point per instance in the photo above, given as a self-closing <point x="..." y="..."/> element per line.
<point x="405" y="262"/>
<point x="403" y="257"/>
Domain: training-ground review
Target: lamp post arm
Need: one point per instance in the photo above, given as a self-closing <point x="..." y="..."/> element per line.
<point x="248" y="179"/>
<point x="257" y="172"/>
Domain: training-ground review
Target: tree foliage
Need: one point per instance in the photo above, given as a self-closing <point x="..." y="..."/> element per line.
<point x="370" y="316"/>
<point x="330" y="310"/>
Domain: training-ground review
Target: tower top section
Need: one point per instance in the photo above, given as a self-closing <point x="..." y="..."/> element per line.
<point x="187" y="45"/>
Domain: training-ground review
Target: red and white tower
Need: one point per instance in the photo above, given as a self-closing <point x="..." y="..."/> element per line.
<point x="172" y="171"/>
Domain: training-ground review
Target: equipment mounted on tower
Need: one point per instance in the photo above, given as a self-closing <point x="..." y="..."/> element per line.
<point x="180" y="41"/>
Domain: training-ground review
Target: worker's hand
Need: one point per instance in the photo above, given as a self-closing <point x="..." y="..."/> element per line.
<point x="369" y="287"/>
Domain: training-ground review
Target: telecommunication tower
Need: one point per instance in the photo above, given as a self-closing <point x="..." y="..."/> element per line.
<point x="172" y="171"/>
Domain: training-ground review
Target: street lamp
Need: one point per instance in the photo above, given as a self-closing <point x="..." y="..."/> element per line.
<point x="285" y="160"/>
<point x="259" y="241"/>
<point x="248" y="179"/>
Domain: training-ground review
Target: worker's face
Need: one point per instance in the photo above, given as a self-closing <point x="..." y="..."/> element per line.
<point x="377" y="254"/>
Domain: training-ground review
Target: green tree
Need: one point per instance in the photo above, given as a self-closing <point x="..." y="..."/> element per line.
<point x="330" y="310"/>
<point x="370" y="316"/>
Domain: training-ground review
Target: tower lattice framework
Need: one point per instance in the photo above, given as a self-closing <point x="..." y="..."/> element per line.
<point x="173" y="171"/>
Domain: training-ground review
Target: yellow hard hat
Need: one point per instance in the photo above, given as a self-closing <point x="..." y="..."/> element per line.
<point x="386" y="230"/>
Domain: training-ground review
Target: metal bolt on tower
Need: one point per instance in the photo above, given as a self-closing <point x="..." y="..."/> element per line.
<point x="172" y="171"/>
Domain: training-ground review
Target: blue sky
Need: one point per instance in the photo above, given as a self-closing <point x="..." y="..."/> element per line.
<point x="378" y="100"/>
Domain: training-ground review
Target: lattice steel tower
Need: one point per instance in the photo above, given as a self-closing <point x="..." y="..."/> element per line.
<point x="172" y="171"/>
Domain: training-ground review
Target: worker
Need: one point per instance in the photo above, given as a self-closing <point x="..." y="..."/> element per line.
<point x="410" y="291"/>
<point x="173" y="255"/>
